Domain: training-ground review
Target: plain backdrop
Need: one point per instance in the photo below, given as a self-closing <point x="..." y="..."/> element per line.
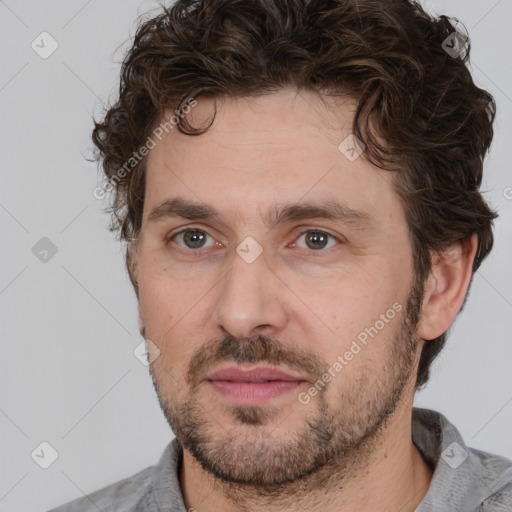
<point x="68" y="375"/>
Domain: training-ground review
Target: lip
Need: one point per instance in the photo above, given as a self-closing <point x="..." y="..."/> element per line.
<point x="253" y="385"/>
<point x="241" y="373"/>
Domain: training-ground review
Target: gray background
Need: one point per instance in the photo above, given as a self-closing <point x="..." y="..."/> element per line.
<point x="68" y="375"/>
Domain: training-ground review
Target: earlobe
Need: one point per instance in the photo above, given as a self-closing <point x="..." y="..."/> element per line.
<point x="446" y="287"/>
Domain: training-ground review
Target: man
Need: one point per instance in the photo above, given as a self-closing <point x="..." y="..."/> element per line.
<point x="298" y="182"/>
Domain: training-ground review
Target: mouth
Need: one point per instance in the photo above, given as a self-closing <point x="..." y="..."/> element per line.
<point x="249" y="385"/>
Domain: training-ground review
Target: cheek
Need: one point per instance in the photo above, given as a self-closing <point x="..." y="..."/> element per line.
<point x="170" y="309"/>
<point x="162" y="294"/>
<point x="154" y="298"/>
<point x="348" y="308"/>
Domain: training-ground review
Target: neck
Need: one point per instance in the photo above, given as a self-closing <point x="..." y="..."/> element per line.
<point x="390" y="474"/>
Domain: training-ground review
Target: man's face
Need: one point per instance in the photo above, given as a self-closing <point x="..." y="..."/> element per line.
<point x="229" y="297"/>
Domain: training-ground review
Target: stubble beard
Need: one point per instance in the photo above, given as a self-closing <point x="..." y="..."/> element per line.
<point x="333" y="444"/>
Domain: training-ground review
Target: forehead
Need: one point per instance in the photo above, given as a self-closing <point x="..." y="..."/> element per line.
<point x="280" y="148"/>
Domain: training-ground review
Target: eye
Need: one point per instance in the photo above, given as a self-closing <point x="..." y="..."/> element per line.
<point x="316" y="239"/>
<point x="192" y="238"/>
<point x="195" y="239"/>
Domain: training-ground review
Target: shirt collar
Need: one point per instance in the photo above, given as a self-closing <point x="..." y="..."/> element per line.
<point x="459" y="479"/>
<point x="166" y="485"/>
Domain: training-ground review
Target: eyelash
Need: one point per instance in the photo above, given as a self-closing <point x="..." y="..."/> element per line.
<point x="172" y="236"/>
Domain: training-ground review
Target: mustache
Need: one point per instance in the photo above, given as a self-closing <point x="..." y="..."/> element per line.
<point x="252" y="350"/>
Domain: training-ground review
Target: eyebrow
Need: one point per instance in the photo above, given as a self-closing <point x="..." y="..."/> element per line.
<point x="328" y="209"/>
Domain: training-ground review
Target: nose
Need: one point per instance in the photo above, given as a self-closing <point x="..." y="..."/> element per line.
<point x="251" y="300"/>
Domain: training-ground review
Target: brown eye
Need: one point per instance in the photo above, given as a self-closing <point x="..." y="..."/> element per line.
<point x="191" y="238"/>
<point x="194" y="238"/>
<point x="316" y="240"/>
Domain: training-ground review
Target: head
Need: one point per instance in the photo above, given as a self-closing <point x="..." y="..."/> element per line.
<point x="251" y="271"/>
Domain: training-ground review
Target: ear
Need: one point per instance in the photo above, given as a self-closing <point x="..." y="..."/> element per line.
<point x="446" y="287"/>
<point x="131" y="259"/>
<point x="142" y="329"/>
<point x="132" y="264"/>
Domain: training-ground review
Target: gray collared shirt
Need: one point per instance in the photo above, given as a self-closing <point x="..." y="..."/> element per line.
<point x="464" y="479"/>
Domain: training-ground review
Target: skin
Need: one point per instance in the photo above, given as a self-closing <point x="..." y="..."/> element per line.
<point x="260" y="152"/>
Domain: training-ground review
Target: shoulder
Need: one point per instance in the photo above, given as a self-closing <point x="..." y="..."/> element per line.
<point x="499" y="501"/>
<point x="130" y="494"/>
<point x="149" y="490"/>
<point x="465" y="479"/>
<point x="497" y="479"/>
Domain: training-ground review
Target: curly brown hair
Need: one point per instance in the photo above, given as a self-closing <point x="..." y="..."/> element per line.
<point x="419" y="112"/>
